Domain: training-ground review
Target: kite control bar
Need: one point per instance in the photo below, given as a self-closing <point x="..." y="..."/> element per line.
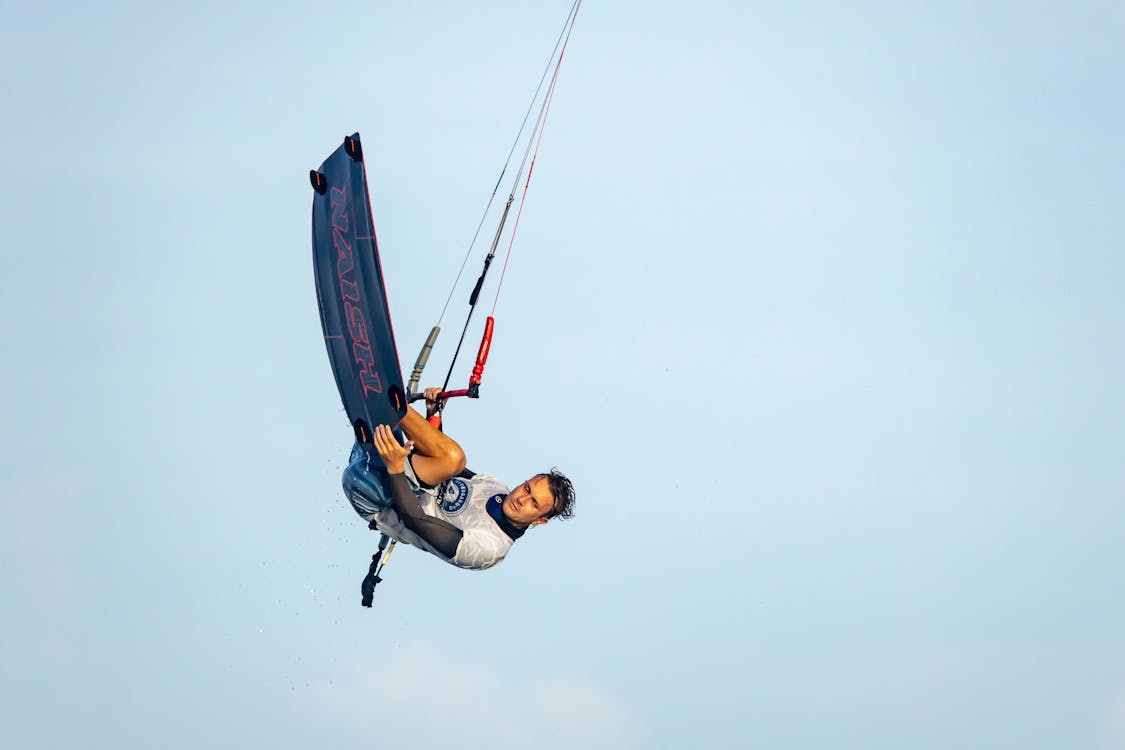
<point x="443" y="395"/>
<point x="433" y="413"/>
<point x="473" y="391"/>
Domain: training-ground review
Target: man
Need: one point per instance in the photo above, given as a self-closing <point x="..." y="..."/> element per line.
<point x="422" y="495"/>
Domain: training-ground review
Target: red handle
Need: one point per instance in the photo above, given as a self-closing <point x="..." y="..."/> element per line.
<point x="482" y="353"/>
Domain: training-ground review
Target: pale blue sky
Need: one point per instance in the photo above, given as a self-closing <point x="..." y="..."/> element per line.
<point x="820" y="307"/>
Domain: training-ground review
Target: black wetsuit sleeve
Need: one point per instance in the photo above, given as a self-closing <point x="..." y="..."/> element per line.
<point x="441" y="535"/>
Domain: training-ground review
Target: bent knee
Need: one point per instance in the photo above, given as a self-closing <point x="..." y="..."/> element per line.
<point x="455" y="457"/>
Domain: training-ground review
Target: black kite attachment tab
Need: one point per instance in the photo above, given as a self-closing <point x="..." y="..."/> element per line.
<point x="363" y="434"/>
<point x="353" y="147"/>
<point x="397" y="398"/>
<point x="319" y="181"/>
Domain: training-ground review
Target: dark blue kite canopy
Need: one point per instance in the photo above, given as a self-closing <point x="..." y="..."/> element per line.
<point x="351" y="294"/>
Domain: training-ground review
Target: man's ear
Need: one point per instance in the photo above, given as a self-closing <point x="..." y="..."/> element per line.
<point x="539" y="521"/>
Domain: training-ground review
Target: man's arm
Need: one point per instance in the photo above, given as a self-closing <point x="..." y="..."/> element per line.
<point x="437" y="456"/>
<point x="441" y="535"/>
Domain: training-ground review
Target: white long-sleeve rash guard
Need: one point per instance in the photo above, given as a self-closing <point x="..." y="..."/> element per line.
<point x="465" y="526"/>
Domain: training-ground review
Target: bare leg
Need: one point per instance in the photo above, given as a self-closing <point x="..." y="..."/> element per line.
<point x="437" y="456"/>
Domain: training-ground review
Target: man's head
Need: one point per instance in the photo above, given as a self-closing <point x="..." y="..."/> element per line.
<point x="539" y="499"/>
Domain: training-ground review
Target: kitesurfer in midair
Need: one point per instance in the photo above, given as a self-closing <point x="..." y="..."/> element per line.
<point x="421" y="493"/>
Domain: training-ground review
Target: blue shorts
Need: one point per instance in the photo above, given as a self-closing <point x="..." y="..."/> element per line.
<point x="367" y="484"/>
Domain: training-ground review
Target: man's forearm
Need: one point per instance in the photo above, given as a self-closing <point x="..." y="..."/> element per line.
<point x="439" y="534"/>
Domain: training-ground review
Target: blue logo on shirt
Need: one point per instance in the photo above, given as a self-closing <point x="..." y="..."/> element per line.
<point x="456" y="495"/>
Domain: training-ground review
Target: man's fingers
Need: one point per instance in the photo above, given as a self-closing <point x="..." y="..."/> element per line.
<point x="387" y="444"/>
<point x="383" y="437"/>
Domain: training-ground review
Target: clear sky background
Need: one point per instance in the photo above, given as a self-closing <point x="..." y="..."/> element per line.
<point x="820" y="305"/>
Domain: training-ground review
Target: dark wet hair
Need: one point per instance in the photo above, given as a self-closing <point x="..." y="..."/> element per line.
<point x="563" y="493"/>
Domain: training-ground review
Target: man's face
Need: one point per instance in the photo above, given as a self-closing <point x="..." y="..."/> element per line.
<point x="529" y="504"/>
